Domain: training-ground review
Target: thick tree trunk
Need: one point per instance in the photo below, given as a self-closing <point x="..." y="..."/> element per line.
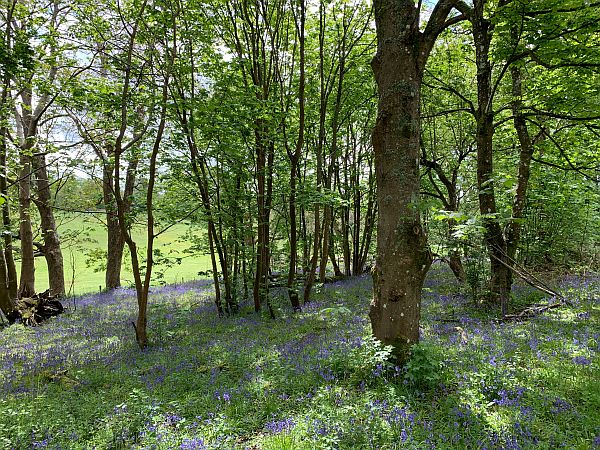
<point x="403" y="256"/>
<point x="141" y="325"/>
<point x="52" y="250"/>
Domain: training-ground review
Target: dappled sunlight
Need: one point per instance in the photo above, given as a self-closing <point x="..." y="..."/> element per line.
<point x="304" y="380"/>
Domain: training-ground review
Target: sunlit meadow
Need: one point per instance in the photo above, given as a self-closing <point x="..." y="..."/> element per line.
<point x="307" y="380"/>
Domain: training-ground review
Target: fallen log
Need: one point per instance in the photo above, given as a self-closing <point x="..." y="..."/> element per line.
<point x="32" y="311"/>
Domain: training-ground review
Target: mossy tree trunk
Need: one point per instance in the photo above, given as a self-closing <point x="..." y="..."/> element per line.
<point x="403" y="256"/>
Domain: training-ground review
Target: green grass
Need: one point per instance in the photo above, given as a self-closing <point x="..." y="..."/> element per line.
<point x="84" y="237"/>
<point x="309" y="380"/>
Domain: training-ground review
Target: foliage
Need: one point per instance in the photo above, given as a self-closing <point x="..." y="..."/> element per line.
<point x="424" y="370"/>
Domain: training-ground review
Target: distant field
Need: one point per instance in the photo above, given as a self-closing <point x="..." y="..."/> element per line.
<point x="82" y="279"/>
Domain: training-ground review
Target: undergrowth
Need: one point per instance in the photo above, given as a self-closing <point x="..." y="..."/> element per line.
<point x="314" y="379"/>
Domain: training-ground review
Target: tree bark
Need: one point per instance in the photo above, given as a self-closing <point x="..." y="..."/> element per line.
<point x="403" y="256"/>
<point x="115" y="242"/>
<point x="7" y="304"/>
<point x="323" y="96"/>
<point x="294" y="164"/>
<point x="9" y="262"/>
<point x="501" y="277"/>
<point x="513" y="232"/>
<point x="27" y="279"/>
<point x="52" y="250"/>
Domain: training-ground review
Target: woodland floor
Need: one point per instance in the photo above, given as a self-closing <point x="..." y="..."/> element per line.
<point x="307" y="380"/>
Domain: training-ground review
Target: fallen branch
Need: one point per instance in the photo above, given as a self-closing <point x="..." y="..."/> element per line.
<point x="531" y="312"/>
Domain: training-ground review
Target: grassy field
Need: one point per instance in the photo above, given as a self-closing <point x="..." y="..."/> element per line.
<point x="308" y="380"/>
<point x="84" y="237"/>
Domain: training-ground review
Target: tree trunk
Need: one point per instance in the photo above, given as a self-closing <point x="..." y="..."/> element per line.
<point x="455" y="261"/>
<point x="513" y="234"/>
<point x="294" y="164"/>
<point x="336" y="267"/>
<point x="9" y="262"/>
<point x="9" y="283"/>
<point x="501" y="277"/>
<point x="403" y="256"/>
<point x="292" y="292"/>
<point x="27" y="279"/>
<point x="215" y="270"/>
<point x="370" y="215"/>
<point x="323" y="96"/>
<point x="356" y="212"/>
<point x="52" y="250"/>
<point x="115" y="242"/>
<point x="260" y="276"/>
<point x="7" y="303"/>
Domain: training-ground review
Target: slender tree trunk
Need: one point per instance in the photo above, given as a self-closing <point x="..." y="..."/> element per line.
<point x="9" y="283"/>
<point x="345" y="219"/>
<point x="334" y="262"/>
<point x="215" y="270"/>
<point x="292" y="292"/>
<point x="455" y="261"/>
<point x="513" y="234"/>
<point x="115" y="241"/>
<point x="371" y="213"/>
<point x="260" y="276"/>
<point x="501" y="277"/>
<point x="52" y="250"/>
<point x="356" y="212"/>
<point x="294" y="164"/>
<point x="7" y="304"/>
<point x="323" y="96"/>
<point x="306" y="243"/>
<point x="327" y="219"/>
<point x="9" y="262"/>
<point x="27" y="279"/>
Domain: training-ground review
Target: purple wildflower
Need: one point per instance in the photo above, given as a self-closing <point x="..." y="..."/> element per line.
<point x="280" y="426"/>
<point x="582" y="361"/>
<point x="193" y="444"/>
<point x="172" y="419"/>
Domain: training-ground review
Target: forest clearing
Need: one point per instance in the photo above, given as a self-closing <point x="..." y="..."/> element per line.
<point x="83" y="240"/>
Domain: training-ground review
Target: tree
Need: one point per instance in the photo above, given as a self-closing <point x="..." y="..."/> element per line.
<point x="403" y="256"/>
<point x="11" y="60"/>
